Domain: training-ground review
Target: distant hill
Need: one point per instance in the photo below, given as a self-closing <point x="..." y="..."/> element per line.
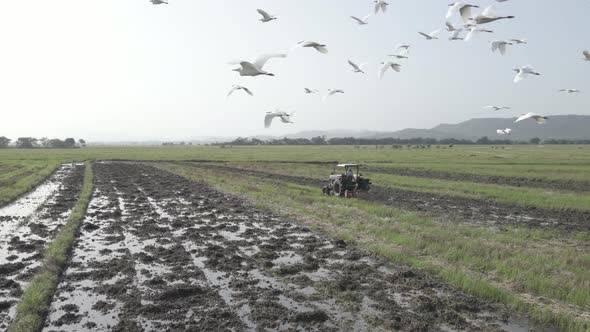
<point x="573" y="127"/>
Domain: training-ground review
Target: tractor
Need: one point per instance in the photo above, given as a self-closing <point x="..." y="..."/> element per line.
<point x="348" y="184"/>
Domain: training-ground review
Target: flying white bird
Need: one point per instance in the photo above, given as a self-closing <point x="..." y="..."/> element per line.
<point x="332" y="92"/>
<point x="402" y="49"/>
<point x="456" y="34"/>
<point x="158" y="2"/>
<point x="504" y="131"/>
<point x="310" y="91"/>
<point x="430" y="36"/>
<point x="380" y="5"/>
<point x="488" y="15"/>
<point x="317" y="46"/>
<point x="356" y="68"/>
<point x="496" y="108"/>
<point x="522" y="73"/>
<point x="538" y="118"/>
<point x="570" y="90"/>
<point x="518" y="41"/>
<point x="361" y="21"/>
<point x="500" y="45"/>
<point x="386" y="66"/>
<point x="239" y="87"/>
<point x="255" y="68"/>
<point x="586" y="55"/>
<point x="266" y="17"/>
<point x="284" y="116"/>
<point x="463" y="9"/>
<point x="474" y="31"/>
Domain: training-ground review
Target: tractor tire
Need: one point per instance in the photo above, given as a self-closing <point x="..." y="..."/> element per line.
<point x="337" y="189"/>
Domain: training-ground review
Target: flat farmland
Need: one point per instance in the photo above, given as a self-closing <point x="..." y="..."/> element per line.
<point x="241" y="238"/>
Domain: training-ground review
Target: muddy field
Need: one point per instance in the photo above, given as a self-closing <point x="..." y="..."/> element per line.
<point x="158" y="252"/>
<point x="569" y="185"/>
<point x="472" y="211"/>
<point x="26" y="226"/>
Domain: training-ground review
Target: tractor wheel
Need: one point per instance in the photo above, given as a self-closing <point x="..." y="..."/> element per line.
<point x="336" y="188"/>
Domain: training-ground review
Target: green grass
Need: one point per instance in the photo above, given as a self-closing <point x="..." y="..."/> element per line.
<point x="34" y="304"/>
<point x="500" y="266"/>
<point x="19" y="177"/>
<point x="523" y="196"/>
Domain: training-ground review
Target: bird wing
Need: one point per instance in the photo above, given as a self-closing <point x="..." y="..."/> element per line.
<point x="489" y="12"/>
<point x="453" y="9"/>
<point x="383" y="69"/>
<point x="587" y="54"/>
<point x="234" y="88"/>
<point x="264" y="14"/>
<point x="321" y="49"/>
<point x="525" y="116"/>
<point x="520" y="76"/>
<point x="434" y="33"/>
<point x="495" y="45"/>
<point x="450" y="27"/>
<point x="465" y="12"/>
<point x="261" y="60"/>
<point x="358" y="20"/>
<point x="396" y="67"/>
<point x="354" y="65"/>
<point x="500" y="131"/>
<point x="456" y="33"/>
<point x="425" y="35"/>
<point x="249" y="67"/>
<point x="286" y="118"/>
<point x="306" y="90"/>
<point x="268" y="119"/>
<point x="247" y="90"/>
<point x="507" y="131"/>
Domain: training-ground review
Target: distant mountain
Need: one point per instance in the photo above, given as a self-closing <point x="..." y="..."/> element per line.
<point x="574" y="127"/>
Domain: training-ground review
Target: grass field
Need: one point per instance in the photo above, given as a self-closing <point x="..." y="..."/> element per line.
<point x="542" y="272"/>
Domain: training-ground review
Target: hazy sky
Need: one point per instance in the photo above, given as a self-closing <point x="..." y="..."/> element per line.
<point x="129" y="70"/>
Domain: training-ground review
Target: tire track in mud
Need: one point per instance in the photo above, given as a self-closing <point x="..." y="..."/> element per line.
<point x="159" y="252"/>
<point x="473" y="211"/>
<point x="27" y="226"/>
<point x="569" y="185"/>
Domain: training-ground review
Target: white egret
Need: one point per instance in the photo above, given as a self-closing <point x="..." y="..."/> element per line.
<point x="504" y="131"/>
<point x="255" y="68"/>
<point x="496" y="108"/>
<point x="538" y="118"/>
<point x="524" y="72"/>
<point x="317" y="46"/>
<point x="361" y="21"/>
<point x="239" y="87"/>
<point x="284" y="116"/>
<point x="332" y="92"/>
<point x="386" y="66"/>
<point x="569" y="90"/>
<point x="488" y="15"/>
<point x="356" y="68"/>
<point x="430" y="36"/>
<point x="266" y="17"/>
<point x="500" y="45"/>
<point x="380" y="5"/>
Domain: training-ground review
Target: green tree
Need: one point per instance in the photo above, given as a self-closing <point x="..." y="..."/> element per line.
<point x="70" y="142"/>
<point x="4" y="141"/>
<point x="535" y="140"/>
<point x="26" y="142"/>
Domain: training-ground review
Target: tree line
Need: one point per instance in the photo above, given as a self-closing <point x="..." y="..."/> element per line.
<point x="47" y="143"/>
<point x="322" y="140"/>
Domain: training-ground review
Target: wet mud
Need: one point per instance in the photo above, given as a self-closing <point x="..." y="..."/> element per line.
<point x="27" y="226"/>
<point x="160" y="253"/>
<point x="472" y="211"/>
